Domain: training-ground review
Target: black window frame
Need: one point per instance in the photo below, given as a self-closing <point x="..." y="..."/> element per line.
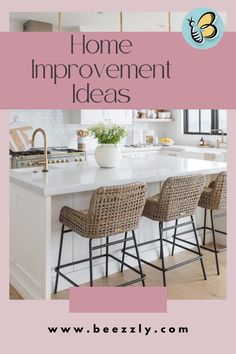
<point x="214" y="123"/>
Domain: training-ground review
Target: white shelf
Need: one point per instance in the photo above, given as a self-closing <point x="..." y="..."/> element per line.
<point x="155" y="120"/>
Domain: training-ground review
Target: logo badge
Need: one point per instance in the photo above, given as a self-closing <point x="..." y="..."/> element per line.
<point x="202" y="28"/>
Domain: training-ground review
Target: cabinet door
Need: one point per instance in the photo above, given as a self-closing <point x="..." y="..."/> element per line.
<point x="145" y="21"/>
<point x="92" y="116"/>
<point x="119" y="116"/>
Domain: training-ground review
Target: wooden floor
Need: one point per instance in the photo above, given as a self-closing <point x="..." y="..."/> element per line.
<point x="182" y="283"/>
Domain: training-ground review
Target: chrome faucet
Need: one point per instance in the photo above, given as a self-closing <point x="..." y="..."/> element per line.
<point x="45" y="169"/>
<point x="222" y="136"/>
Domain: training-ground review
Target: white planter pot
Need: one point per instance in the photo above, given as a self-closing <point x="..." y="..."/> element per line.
<point x="107" y="155"/>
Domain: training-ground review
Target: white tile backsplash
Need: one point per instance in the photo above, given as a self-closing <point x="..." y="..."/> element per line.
<point x="59" y="133"/>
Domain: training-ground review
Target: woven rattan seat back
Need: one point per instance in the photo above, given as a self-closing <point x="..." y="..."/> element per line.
<point x="116" y="209"/>
<point x="178" y="198"/>
<point x="216" y="198"/>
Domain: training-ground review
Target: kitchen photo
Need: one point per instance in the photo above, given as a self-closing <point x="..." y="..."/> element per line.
<point x="118" y="198"/>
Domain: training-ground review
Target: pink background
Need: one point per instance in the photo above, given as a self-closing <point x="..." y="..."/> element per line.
<point x="24" y="323"/>
<point x="193" y="72"/>
<point x="121" y="299"/>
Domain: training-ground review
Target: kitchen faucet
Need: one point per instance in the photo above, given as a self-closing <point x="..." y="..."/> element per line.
<point x="45" y="169"/>
<point x="222" y="136"/>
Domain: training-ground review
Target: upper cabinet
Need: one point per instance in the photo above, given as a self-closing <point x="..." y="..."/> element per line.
<point x="145" y="21"/>
<point x="119" y="116"/>
<point x="93" y="116"/>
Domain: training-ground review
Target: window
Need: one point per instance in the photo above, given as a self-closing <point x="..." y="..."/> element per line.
<point x="202" y="121"/>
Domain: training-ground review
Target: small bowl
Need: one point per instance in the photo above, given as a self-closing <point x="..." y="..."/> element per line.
<point x="167" y="144"/>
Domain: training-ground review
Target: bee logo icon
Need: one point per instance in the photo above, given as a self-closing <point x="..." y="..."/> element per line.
<point x="204" y="28"/>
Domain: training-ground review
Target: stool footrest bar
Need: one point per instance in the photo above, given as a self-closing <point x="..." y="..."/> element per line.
<point x="210" y="229"/>
<point x="212" y="250"/>
<point x="170" y="267"/>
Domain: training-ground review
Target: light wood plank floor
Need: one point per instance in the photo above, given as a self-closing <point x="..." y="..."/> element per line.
<point x="182" y="283"/>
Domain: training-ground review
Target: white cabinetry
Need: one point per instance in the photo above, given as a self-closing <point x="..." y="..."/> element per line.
<point x="93" y="116"/>
<point x="145" y="21"/>
<point x="119" y="116"/>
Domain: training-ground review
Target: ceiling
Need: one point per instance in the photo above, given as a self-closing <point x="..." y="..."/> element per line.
<point x="103" y="20"/>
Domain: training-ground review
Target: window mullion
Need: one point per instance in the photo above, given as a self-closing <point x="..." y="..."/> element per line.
<point x="200" y="122"/>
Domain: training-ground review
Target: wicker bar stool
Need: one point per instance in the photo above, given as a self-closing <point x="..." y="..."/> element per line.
<point x="112" y="210"/>
<point x="178" y="198"/>
<point x="214" y="197"/>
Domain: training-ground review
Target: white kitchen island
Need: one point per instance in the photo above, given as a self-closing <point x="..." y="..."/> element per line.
<point x="35" y="202"/>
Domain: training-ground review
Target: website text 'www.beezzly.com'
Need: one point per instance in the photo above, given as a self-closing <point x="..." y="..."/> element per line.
<point x="101" y="329"/>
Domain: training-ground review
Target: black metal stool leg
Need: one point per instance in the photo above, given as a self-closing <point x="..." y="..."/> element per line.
<point x="214" y="242"/>
<point x="138" y="258"/>
<point x="107" y="249"/>
<point x="162" y="253"/>
<point x="161" y="248"/>
<point x="204" y="230"/>
<point x="91" y="262"/>
<point x="198" y="247"/>
<point x="174" y="236"/>
<point x="59" y="258"/>
<point x="123" y="256"/>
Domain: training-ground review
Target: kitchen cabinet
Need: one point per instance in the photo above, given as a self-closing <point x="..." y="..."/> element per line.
<point x="119" y="116"/>
<point x="93" y="116"/>
<point x="145" y="21"/>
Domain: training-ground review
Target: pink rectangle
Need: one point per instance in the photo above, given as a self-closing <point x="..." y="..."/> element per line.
<point x="118" y="299"/>
<point x="193" y="72"/>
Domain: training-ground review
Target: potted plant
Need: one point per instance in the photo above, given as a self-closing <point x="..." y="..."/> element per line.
<point x="107" y="153"/>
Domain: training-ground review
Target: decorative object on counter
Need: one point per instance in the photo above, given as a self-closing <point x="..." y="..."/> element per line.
<point x="108" y="154"/>
<point x="20" y="138"/>
<point x="81" y="135"/>
<point x="156" y="140"/>
<point x="149" y="136"/>
<point x="167" y="141"/>
<point x="20" y="133"/>
<point x="137" y="137"/>
<point x="202" y="141"/>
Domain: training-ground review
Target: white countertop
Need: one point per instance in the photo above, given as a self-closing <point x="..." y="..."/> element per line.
<point x="179" y="148"/>
<point x="86" y="176"/>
